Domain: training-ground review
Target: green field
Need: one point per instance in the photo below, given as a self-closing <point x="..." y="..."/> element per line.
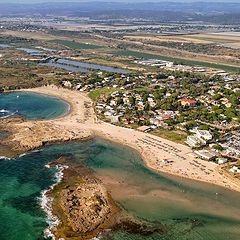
<point x="75" y="45"/>
<point x="95" y="94"/>
<point x="178" y="60"/>
<point x="170" y="135"/>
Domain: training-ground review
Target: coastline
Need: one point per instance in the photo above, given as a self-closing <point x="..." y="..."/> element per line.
<point x="147" y="161"/>
<point x="81" y="123"/>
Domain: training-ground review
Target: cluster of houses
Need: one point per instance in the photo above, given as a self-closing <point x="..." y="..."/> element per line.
<point x="123" y="105"/>
<point x="232" y="144"/>
<point x="116" y="106"/>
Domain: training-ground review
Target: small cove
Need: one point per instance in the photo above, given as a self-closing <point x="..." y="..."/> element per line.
<point x="31" y="106"/>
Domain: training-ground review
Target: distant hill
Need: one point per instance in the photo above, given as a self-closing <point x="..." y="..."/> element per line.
<point x="162" y="11"/>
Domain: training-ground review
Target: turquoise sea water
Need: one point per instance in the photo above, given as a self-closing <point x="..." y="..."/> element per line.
<point x="175" y="203"/>
<point x="31" y="106"/>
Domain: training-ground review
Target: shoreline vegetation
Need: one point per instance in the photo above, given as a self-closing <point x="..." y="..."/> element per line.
<point x="81" y="124"/>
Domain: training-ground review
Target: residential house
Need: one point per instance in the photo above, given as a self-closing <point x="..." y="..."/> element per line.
<point x="144" y="129"/>
<point x="206" y="154"/>
<point x="185" y="102"/>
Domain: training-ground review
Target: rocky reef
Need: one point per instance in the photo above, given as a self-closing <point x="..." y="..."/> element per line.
<point x="82" y="204"/>
<point x="29" y="135"/>
<point x="86" y="209"/>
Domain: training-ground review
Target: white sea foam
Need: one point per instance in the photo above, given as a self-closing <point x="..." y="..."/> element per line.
<point x="5" y="158"/>
<point x="46" y="202"/>
<point x="4" y="111"/>
<point x="35" y="151"/>
<point x="7" y="113"/>
<point x="27" y="153"/>
<point x="22" y="155"/>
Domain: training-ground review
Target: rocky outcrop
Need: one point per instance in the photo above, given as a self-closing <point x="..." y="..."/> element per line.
<point x="82" y="203"/>
<point x="29" y="135"/>
<point x="87" y="207"/>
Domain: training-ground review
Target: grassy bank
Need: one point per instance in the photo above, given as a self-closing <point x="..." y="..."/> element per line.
<point x="95" y="94"/>
<point x="170" y="135"/>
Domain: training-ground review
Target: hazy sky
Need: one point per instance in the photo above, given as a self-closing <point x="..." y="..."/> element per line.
<point x="40" y="1"/>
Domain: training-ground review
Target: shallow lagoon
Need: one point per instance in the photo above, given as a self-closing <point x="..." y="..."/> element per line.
<point x="76" y="66"/>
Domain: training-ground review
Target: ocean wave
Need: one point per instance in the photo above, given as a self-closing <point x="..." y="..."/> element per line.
<point x="46" y="202"/>
<point x="47" y="166"/>
<point x="5" y="158"/>
<point x="36" y="151"/>
<point x="22" y="155"/>
<point x="27" y="153"/>
<point x="6" y="113"/>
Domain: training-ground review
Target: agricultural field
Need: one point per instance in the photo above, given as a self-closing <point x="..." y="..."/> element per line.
<point x="215" y="37"/>
<point x="159" y="38"/>
<point x="205" y="47"/>
<point x="74" y="44"/>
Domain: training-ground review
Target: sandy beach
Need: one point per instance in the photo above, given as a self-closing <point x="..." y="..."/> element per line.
<point x="81" y="123"/>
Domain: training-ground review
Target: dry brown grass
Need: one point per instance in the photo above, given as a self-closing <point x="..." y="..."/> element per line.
<point x="164" y="39"/>
<point x="215" y="38"/>
<point x="29" y="35"/>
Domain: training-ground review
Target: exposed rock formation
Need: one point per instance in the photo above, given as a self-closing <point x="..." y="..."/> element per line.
<point x="82" y="203"/>
<point x="34" y="134"/>
<point x="87" y="207"/>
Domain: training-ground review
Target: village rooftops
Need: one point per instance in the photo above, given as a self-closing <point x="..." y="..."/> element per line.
<point x="144" y="129"/>
<point x="206" y="154"/>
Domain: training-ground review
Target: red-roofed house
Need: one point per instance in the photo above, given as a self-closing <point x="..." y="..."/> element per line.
<point x="185" y="102"/>
<point x="166" y="117"/>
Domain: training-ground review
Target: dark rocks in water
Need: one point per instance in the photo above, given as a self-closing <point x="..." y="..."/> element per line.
<point x="136" y="226"/>
<point x="197" y="223"/>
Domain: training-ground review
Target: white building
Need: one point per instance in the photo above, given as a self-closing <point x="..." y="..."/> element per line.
<point x="113" y="119"/>
<point x="204" y="134"/>
<point x="234" y="169"/>
<point x="194" y="141"/>
<point x="206" y="155"/>
<point x="222" y="161"/>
